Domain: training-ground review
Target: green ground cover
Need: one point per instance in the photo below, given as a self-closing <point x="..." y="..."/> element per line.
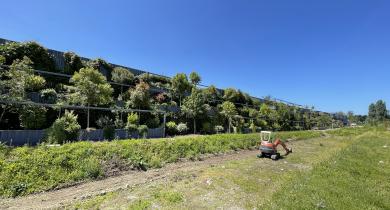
<point x="25" y="170"/>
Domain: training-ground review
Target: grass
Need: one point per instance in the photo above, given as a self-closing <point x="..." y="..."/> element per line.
<point x="345" y="170"/>
<point x="26" y="170"/>
<point x="358" y="177"/>
<point x="244" y="183"/>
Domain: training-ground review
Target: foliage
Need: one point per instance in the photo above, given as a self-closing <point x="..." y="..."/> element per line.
<point x="21" y="78"/>
<point x="143" y="130"/>
<point x="228" y="109"/>
<point x="139" y="97"/>
<point x="218" y="128"/>
<point x="90" y="88"/>
<point x="39" y="55"/>
<point x="73" y="63"/>
<point x="377" y="111"/>
<point x="171" y="128"/>
<point x="207" y="128"/>
<point x="108" y="127"/>
<point x="2" y="60"/>
<point x="211" y="94"/>
<point x="122" y="75"/>
<point x="27" y="170"/>
<point x="32" y="117"/>
<point x="132" y="123"/>
<point x="49" y="95"/>
<point x="182" y="128"/>
<point x="64" y="129"/>
<point x="195" y="78"/>
<point x="230" y="94"/>
<point x="193" y="105"/>
<point x="180" y="85"/>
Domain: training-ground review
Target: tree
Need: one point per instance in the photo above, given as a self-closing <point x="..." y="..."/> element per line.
<point x="229" y="111"/>
<point x="351" y="117"/>
<point x="193" y="105"/>
<point x="377" y="111"/>
<point x="90" y="89"/>
<point x="139" y="97"/>
<point x="380" y="110"/>
<point x="211" y="95"/>
<point x="17" y="81"/>
<point x="122" y="75"/>
<point x="230" y="94"/>
<point x="72" y="62"/>
<point x="195" y="78"/>
<point x="371" y="111"/>
<point x="180" y="85"/>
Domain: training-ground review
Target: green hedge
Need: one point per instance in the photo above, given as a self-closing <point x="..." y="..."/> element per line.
<point x="25" y="170"/>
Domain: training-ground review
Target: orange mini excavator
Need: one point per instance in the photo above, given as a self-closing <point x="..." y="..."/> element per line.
<point x="268" y="148"/>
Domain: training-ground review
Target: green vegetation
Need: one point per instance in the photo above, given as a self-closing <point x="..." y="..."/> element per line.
<point x="346" y="169"/>
<point x="356" y="178"/>
<point x="25" y="170"/>
<point x="98" y="83"/>
<point x="64" y="129"/>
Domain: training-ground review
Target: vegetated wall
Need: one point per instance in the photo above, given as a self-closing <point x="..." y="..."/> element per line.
<point x="34" y="137"/>
<point x="58" y="57"/>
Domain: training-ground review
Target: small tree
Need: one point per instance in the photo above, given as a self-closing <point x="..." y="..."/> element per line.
<point x="380" y="110"/>
<point x="108" y="127"/>
<point x="193" y="105"/>
<point x="132" y="123"/>
<point x="180" y="85"/>
<point x="143" y="131"/>
<point x="17" y="81"/>
<point x="90" y="88"/>
<point x="218" y="129"/>
<point x="139" y="97"/>
<point x="195" y="78"/>
<point x="32" y="117"/>
<point x="64" y="129"/>
<point x="182" y="128"/>
<point x="229" y="111"/>
<point x="171" y="128"/>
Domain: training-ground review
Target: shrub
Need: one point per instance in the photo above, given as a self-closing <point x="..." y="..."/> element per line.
<point x="39" y="55"/>
<point x="218" y="128"/>
<point x="171" y="128"/>
<point x="64" y="129"/>
<point x="2" y="60"/>
<point x="182" y="128"/>
<point x="253" y="127"/>
<point x="108" y="127"/>
<point x="49" y="96"/>
<point x="35" y="83"/>
<point x="32" y="117"/>
<point x="207" y="127"/>
<point x="72" y="62"/>
<point x="143" y="130"/>
<point x="122" y="75"/>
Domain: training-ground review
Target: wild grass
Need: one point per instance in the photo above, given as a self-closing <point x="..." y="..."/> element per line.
<point x="358" y="177"/>
<point x="26" y="170"/>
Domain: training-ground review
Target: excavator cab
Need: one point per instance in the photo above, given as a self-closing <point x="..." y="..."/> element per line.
<point x="267" y="147"/>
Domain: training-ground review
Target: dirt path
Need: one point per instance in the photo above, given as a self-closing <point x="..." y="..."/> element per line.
<point x="63" y="197"/>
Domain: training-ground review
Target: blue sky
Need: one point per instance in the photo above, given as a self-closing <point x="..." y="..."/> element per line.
<point x="334" y="54"/>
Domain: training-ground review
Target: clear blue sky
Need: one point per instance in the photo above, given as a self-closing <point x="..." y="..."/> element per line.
<point x="332" y="54"/>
